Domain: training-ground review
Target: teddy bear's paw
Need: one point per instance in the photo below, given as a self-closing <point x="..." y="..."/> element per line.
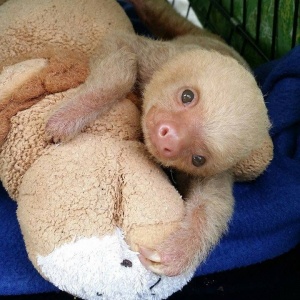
<point x="179" y="253"/>
<point x="105" y="268"/>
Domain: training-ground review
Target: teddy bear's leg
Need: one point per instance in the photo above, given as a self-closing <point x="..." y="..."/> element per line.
<point x="73" y="195"/>
<point x="66" y="207"/>
<point x="113" y="75"/>
<point x="151" y="206"/>
<point x="152" y="210"/>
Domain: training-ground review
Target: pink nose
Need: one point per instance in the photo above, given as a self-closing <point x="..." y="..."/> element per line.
<point x="167" y="140"/>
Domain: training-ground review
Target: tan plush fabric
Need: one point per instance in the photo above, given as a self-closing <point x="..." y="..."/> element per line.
<point x="64" y="33"/>
<point x="26" y="139"/>
<point x="25" y="83"/>
<point x="87" y="187"/>
<point x="51" y="25"/>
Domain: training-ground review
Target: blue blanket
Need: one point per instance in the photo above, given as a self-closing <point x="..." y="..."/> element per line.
<point x="266" y="221"/>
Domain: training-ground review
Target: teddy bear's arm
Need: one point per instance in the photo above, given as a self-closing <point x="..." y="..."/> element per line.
<point x="209" y="207"/>
<point x="112" y="76"/>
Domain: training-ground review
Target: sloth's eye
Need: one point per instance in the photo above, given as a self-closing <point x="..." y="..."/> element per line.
<point x="187" y="96"/>
<point x="198" y="160"/>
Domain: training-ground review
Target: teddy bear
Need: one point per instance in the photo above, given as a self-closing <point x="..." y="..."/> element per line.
<point x="84" y="221"/>
<point x="85" y="206"/>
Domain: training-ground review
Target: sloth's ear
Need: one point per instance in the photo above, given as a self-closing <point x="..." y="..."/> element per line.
<point x="256" y="163"/>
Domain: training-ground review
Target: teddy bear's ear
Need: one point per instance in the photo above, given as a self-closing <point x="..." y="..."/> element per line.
<point x="258" y="160"/>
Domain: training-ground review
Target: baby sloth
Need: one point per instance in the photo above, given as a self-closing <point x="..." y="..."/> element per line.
<point x="203" y="114"/>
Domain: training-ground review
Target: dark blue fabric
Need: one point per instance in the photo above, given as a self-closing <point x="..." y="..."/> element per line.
<point x="266" y="221"/>
<point x="17" y="274"/>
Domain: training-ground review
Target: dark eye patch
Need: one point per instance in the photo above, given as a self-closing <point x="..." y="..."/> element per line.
<point x="198" y="160"/>
<point x="187" y="96"/>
